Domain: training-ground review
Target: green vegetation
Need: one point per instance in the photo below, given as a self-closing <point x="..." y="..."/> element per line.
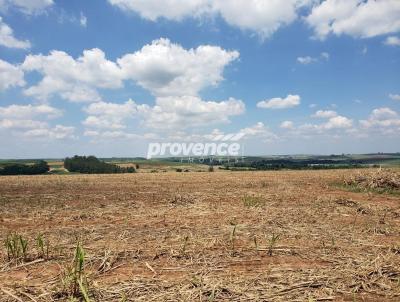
<point x="92" y="165"/>
<point x="75" y="281"/>
<point x="272" y="243"/>
<point x="40" y="167"/>
<point x="43" y="246"/>
<point x="16" y="246"/>
<point x="314" y="162"/>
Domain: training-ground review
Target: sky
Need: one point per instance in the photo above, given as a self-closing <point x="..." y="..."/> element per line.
<point x="108" y="77"/>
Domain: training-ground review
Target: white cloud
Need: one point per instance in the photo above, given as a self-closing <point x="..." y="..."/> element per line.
<point x="169" y="9"/>
<point x="364" y="50"/>
<point x="383" y="119"/>
<point x="262" y="17"/>
<point x="7" y="38"/>
<point x="333" y="125"/>
<point x="163" y="68"/>
<point x="83" y="20"/>
<point x="174" y="75"/>
<point x="259" y="130"/>
<point x="169" y="113"/>
<point x="125" y="110"/>
<point x="22" y="121"/>
<point x="287" y="125"/>
<point x="383" y="113"/>
<point x="29" y="111"/>
<point x="104" y="115"/>
<point x="338" y="122"/>
<point x="10" y="76"/>
<point x="357" y="18"/>
<point x="27" y="6"/>
<point x="167" y="69"/>
<point x="394" y="97"/>
<point x="21" y="124"/>
<point x="306" y="60"/>
<point x="107" y="135"/>
<point x="74" y="80"/>
<point x="325" y="114"/>
<point x="189" y="111"/>
<point x="79" y="94"/>
<point x="325" y="55"/>
<point x="278" y="103"/>
<point x="57" y="132"/>
<point x="254" y="130"/>
<point x="392" y="41"/>
<point x="102" y="123"/>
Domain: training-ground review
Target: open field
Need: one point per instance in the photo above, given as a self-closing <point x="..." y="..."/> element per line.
<point x="226" y="236"/>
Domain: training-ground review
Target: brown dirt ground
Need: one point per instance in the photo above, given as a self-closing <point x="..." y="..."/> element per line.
<point x="168" y="237"/>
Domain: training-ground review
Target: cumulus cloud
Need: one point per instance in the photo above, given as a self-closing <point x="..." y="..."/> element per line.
<point x="167" y="69"/>
<point x="261" y="17"/>
<point x="21" y="124"/>
<point x="7" y="38"/>
<point x="169" y="9"/>
<point x="357" y="18"/>
<point x="383" y="119"/>
<point x="74" y="80"/>
<point x="10" y="76"/>
<point x="57" y="132"/>
<point x="104" y="115"/>
<point x="279" y="103"/>
<point x="334" y="121"/>
<point x="28" y="7"/>
<point x="189" y="111"/>
<point x="392" y="41"/>
<point x="23" y="121"/>
<point x="325" y="114"/>
<point x="332" y="125"/>
<point x="174" y="75"/>
<point x="162" y="67"/>
<point x="169" y="113"/>
<point x="258" y="130"/>
<point x="308" y="60"/>
<point x="337" y="122"/>
<point x="394" y="97"/>
<point x="29" y="111"/>
<point x="82" y="20"/>
<point x="287" y="125"/>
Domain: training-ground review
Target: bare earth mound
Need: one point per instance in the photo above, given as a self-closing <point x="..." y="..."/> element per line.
<point x="241" y="236"/>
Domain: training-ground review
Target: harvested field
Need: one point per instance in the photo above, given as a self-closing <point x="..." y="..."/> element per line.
<point x="223" y="236"/>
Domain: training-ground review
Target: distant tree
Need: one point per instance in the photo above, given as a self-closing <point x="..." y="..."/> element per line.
<point x="211" y="169"/>
<point x="39" y="167"/>
<point x="92" y="165"/>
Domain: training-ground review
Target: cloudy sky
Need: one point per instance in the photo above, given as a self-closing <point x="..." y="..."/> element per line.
<point x="107" y="77"/>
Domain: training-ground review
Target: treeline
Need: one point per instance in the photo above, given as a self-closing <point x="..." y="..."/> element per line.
<point x="92" y="165"/>
<point x="294" y="165"/>
<point x="40" y="167"/>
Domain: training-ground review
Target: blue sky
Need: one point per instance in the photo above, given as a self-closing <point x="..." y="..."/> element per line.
<point x="108" y="77"/>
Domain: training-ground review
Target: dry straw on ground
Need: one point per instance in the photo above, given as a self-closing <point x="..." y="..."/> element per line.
<point x="226" y="236"/>
<point x="376" y="179"/>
